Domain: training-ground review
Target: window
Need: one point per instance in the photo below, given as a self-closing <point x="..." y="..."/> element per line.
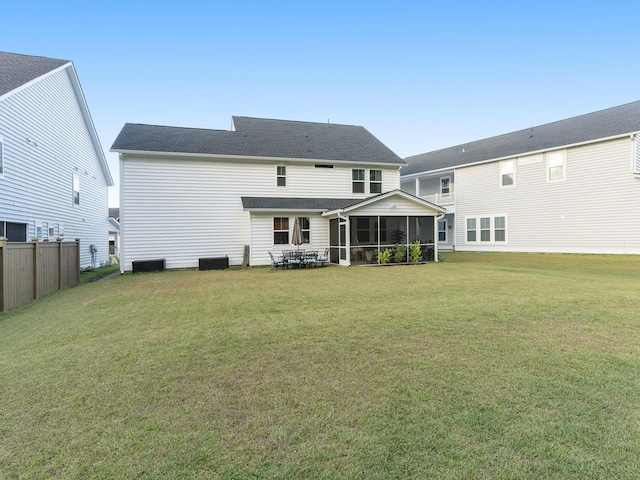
<point x="555" y="166"/>
<point x="357" y="176"/>
<point x="281" y="176"/>
<point x="445" y="185"/>
<point x="442" y="230"/>
<point x="508" y="173"/>
<point x="76" y="189"/>
<point x="500" y="229"/>
<point x="493" y="229"/>
<point x="281" y="230"/>
<point x="13" y="232"/>
<point x="1" y="156"/>
<point x="485" y="229"/>
<point x="471" y="230"/>
<point x="375" y="181"/>
<point x="305" y="229"/>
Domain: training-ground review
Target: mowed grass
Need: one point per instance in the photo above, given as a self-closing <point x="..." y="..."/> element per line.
<point x="481" y="366"/>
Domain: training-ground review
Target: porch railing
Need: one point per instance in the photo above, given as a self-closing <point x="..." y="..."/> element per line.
<point x="440" y="199"/>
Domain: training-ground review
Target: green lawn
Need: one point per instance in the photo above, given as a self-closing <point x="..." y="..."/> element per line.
<point x="481" y="366"/>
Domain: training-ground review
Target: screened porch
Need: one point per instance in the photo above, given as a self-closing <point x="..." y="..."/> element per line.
<point x="358" y="240"/>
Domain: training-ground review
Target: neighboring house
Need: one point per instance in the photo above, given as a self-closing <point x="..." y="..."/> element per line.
<point x="569" y="186"/>
<point x="191" y="193"/>
<point x="114" y="233"/>
<point x="53" y="172"/>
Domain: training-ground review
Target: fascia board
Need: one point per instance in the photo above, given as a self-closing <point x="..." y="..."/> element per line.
<point x="251" y="158"/>
<point x="75" y="81"/>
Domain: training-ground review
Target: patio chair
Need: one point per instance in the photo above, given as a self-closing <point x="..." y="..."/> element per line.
<point x="310" y="259"/>
<point x="324" y="257"/>
<point x="294" y="258"/>
<point x="279" y="262"/>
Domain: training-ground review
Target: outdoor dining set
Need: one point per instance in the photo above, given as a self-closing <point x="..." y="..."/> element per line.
<point x="299" y="259"/>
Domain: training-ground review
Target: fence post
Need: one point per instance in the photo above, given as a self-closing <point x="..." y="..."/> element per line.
<point x="36" y="250"/>
<point x="78" y="258"/>
<point x="3" y="274"/>
<point x="59" y="264"/>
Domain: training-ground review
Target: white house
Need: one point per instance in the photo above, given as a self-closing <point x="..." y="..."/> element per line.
<point x="191" y="193"/>
<point x="53" y="173"/>
<point x="568" y="186"/>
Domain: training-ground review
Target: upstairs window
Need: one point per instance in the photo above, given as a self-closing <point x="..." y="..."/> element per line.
<point x="556" y="166"/>
<point x="508" y="173"/>
<point x="357" y="177"/>
<point x="76" y="189"/>
<point x="375" y="181"/>
<point x="281" y="230"/>
<point x="281" y="176"/>
<point x="445" y="185"/>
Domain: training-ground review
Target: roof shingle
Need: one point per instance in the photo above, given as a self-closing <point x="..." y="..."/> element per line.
<point x="16" y="69"/>
<point x="601" y="124"/>
<point x="259" y="137"/>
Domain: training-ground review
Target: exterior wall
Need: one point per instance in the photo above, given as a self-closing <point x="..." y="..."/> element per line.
<point x="46" y="141"/>
<point x="591" y="211"/>
<point x="408" y="186"/>
<point x="262" y="235"/>
<point x="449" y="244"/>
<point x="637" y="155"/>
<point x="182" y="208"/>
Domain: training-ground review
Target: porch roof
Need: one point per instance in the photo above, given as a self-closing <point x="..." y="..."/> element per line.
<point x="306" y="204"/>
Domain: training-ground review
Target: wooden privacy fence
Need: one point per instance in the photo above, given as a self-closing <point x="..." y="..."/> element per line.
<point x="28" y="270"/>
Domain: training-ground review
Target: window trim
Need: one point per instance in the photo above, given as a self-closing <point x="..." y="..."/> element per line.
<point x="375" y="182"/>
<point x="281" y="230"/>
<point x="357" y="181"/>
<point x="306" y="239"/>
<point x="280" y="176"/>
<point x="478" y="229"/>
<point x="75" y="196"/>
<point x="503" y="164"/>
<point x="442" y="193"/>
<point x="549" y="155"/>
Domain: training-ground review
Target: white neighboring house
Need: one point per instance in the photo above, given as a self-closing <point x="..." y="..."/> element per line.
<point x="191" y="193"/>
<point x="53" y="173"/>
<point x="570" y="186"/>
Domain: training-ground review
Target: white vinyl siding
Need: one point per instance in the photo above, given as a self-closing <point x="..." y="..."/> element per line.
<point x="201" y="206"/>
<point x="568" y="216"/>
<point x="46" y="140"/>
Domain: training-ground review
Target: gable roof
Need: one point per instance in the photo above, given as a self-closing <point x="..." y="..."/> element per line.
<point x="392" y="193"/>
<point x="611" y="122"/>
<point x="263" y="138"/>
<point x="18" y="70"/>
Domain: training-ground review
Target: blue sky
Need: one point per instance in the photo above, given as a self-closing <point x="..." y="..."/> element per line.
<point x="420" y="75"/>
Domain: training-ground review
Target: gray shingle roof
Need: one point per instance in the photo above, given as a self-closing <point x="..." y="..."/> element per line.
<point x="258" y="137"/>
<point x="601" y="124"/>
<point x="16" y="69"/>
<point x="279" y="203"/>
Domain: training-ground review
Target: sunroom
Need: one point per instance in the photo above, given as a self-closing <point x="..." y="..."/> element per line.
<point x="395" y="220"/>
